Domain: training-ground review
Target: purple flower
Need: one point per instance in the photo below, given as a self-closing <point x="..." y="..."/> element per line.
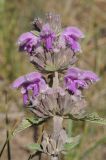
<point x="47" y="36"/>
<point x="32" y="81"/>
<point x="27" y="42"/>
<point x="79" y="79"/>
<point x="72" y="36"/>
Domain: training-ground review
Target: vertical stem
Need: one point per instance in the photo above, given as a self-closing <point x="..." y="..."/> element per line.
<point x="8" y="141"/>
<point x="70" y="126"/>
<point x="52" y="127"/>
<point x="97" y="53"/>
<point x="55" y="80"/>
<point x="7" y="124"/>
<point x="57" y="125"/>
<point x="1" y="152"/>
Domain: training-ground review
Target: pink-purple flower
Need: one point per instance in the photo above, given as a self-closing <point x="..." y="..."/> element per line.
<point x="47" y="36"/>
<point x="32" y="81"/>
<point x="79" y="79"/>
<point x="72" y="36"/>
<point x="27" y="42"/>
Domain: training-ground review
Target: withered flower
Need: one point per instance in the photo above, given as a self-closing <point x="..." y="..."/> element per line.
<point x="57" y="102"/>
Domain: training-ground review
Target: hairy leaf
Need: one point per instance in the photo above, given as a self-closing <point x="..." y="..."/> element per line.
<point x="91" y="117"/>
<point x="34" y="147"/>
<point x="94" y="118"/>
<point x="25" y="124"/>
<point x="73" y="142"/>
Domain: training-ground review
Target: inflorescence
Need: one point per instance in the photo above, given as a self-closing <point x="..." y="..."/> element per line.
<point x="57" y="86"/>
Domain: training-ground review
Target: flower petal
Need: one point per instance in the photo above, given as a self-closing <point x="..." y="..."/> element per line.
<point x="79" y="79"/>
<point x="25" y="79"/>
<point x="73" y="32"/>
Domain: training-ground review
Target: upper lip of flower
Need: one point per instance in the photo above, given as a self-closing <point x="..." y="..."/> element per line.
<point x="27" y="42"/>
<point x="71" y="36"/>
<point x="25" y="37"/>
<point x="26" y="79"/>
<point x="74" y="32"/>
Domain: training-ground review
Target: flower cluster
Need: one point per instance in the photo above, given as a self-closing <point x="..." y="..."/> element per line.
<point x="76" y="78"/>
<point x="53" y="146"/>
<point x="32" y="81"/>
<point x="50" y="40"/>
<point x="51" y="48"/>
<point x="57" y="101"/>
<point x="55" y="90"/>
<point x="47" y="39"/>
<point x="72" y="35"/>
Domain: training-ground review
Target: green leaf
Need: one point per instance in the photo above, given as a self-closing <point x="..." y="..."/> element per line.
<point x="34" y="147"/>
<point x="91" y="117"/>
<point x="73" y="142"/>
<point x="25" y="124"/>
<point x="36" y="33"/>
<point x="94" y="118"/>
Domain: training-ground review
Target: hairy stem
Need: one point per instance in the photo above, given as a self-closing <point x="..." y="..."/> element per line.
<point x="55" y="80"/>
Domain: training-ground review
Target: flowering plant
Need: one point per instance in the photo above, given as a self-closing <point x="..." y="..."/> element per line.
<point x="56" y="88"/>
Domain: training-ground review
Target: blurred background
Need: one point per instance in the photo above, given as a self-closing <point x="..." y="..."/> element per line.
<point x="15" y="18"/>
